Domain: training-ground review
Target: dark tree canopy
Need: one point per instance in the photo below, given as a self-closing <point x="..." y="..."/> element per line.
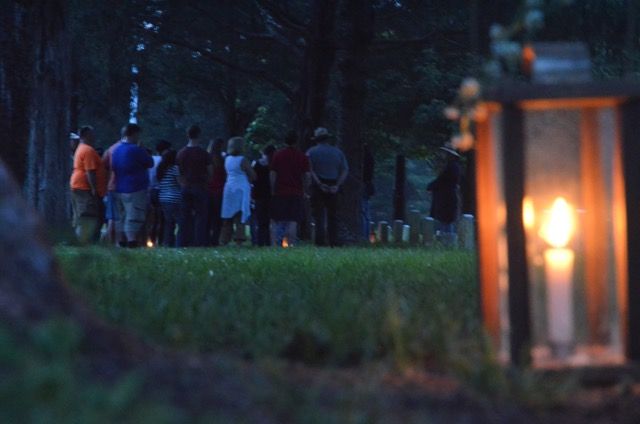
<point x="377" y="71"/>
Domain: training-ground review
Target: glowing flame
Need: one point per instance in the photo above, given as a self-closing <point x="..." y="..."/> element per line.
<point x="560" y="225"/>
<point x="372" y="238"/>
<point x="528" y="213"/>
<point x="149" y="243"/>
<point x="285" y="242"/>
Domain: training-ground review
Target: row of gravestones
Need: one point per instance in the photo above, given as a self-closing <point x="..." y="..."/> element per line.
<point x="417" y="231"/>
<point x="422" y="231"/>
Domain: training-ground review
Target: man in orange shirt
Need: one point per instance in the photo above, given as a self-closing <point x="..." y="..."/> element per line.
<point x="88" y="186"/>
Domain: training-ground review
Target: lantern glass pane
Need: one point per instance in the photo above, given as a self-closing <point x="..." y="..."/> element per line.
<point x="569" y="215"/>
<point x="496" y="214"/>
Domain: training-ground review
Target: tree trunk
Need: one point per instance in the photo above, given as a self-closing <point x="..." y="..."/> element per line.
<point x="14" y="92"/>
<point x="630" y="37"/>
<point x="75" y="98"/>
<point x="235" y="118"/>
<point x="357" y="28"/>
<point x="48" y="152"/>
<point x="399" y="198"/>
<point x="319" y="58"/>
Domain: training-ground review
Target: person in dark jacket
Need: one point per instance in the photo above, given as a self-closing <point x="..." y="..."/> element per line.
<point x="216" y="189"/>
<point x="261" y="194"/>
<point x="445" y="203"/>
<point x="196" y="169"/>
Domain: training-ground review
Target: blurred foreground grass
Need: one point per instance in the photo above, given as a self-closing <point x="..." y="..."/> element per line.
<point x="320" y="306"/>
<point x="43" y="379"/>
<point x="374" y="310"/>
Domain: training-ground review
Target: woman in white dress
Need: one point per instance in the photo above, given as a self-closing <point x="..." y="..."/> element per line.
<point x="236" y="199"/>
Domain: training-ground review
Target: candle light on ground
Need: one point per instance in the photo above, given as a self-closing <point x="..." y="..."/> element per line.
<point x="149" y="243"/>
<point x="557" y="232"/>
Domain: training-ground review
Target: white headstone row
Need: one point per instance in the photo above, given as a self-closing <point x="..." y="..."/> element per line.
<point x="422" y="231"/>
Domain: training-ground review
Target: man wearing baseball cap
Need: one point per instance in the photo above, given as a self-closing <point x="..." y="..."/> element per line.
<point x="329" y="170"/>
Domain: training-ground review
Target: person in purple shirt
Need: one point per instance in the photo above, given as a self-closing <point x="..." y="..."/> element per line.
<point x="130" y="163"/>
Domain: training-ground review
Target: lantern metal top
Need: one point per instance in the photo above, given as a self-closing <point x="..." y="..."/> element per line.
<point x="600" y="91"/>
<point x="560" y="75"/>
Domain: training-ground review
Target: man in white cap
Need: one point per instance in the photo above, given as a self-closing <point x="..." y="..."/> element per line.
<point x="88" y="185"/>
<point x="74" y="140"/>
<point x="329" y="170"/>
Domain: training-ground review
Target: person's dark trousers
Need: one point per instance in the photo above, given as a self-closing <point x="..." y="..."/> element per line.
<point x="155" y="217"/>
<point x="253" y="225"/>
<point x="214" y="222"/>
<point x="325" y="205"/>
<point x="263" y="222"/>
<point x="365" y="216"/>
<point x="171" y="213"/>
<point x="193" y="217"/>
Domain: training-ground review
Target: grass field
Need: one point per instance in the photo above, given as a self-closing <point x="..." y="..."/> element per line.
<point x="329" y="307"/>
<point x="344" y="335"/>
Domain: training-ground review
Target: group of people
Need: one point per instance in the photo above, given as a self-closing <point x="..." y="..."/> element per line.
<point x="198" y="196"/>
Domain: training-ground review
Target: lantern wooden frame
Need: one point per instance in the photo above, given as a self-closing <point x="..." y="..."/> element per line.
<point x="514" y="100"/>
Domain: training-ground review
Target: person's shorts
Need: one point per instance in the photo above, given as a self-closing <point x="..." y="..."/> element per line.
<point x="111" y="205"/>
<point x="287" y="208"/>
<point x="132" y="211"/>
<point x="85" y="205"/>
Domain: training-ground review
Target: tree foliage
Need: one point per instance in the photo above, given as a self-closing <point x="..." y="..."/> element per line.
<point x="377" y="71"/>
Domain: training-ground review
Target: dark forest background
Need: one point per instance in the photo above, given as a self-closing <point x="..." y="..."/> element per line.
<point x="374" y="71"/>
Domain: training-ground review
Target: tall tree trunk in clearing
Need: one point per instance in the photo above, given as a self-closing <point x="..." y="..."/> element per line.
<point x="631" y="37"/>
<point x="318" y="61"/>
<point x="48" y="152"/>
<point x="358" y="21"/>
<point x="14" y="92"/>
<point x="236" y="119"/>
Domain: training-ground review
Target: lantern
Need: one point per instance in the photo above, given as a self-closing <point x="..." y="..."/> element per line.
<point x="558" y="198"/>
